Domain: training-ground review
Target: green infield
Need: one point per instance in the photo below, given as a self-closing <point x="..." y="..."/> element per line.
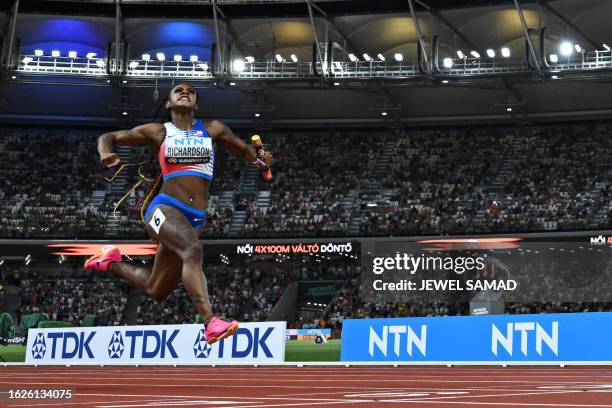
<point x="12" y="353"/>
<point x="296" y="350"/>
<point x="302" y="350"/>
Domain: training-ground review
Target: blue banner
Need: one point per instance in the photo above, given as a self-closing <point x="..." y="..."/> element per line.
<point x="538" y="338"/>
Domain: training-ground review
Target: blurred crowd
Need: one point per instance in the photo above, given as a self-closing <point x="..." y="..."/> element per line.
<point x="331" y="183"/>
<point x="71" y="300"/>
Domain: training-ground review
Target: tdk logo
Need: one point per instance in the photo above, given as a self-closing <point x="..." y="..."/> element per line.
<point x="600" y="240"/>
<point x="116" y="346"/>
<point x="39" y="348"/>
<point x="541" y="336"/>
<point x="404" y="339"/>
<point x="151" y="343"/>
<point x="68" y="344"/>
<point x="201" y="348"/>
<point x="244" y="344"/>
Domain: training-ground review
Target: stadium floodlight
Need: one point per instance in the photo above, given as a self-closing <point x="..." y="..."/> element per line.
<point x="39" y="53"/>
<point x="27" y="60"/>
<point x="448" y="62"/>
<point x="178" y="58"/>
<point x="606" y="47"/>
<point x="279" y="58"/>
<point x="91" y="55"/>
<point x="352" y="57"/>
<point x="294" y="58"/>
<point x="505" y="52"/>
<point x="554" y="58"/>
<point x="250" y="60"/>
<point x="475" y="54"/>
<point x="491" y="53"/>
<point x="381" y="57"/>
<point x="161" y="56"/>
<point x="398" y="57"/>
<point x="55" y="53"/>
<point x="204" y="66"/>
<point x="193" y="58"/>
<point x="566" y="48"/>
<point x="460" y="54"/>
<point x="367" y="57"/>
<point x="72" y="54"/>
<point x="578" y="48"/>
<point x="146" y="57"/>
<point x="133" y="64"/>
<point x="238" y="65"/>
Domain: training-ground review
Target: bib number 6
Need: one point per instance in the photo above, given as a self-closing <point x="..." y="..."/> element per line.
<point x="157" y="220"/>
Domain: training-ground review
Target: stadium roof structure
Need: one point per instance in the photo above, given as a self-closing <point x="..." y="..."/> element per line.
<point x="375" y="59"/>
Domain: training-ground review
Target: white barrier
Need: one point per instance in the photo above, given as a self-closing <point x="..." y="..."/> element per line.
<point x="170" y="344"/>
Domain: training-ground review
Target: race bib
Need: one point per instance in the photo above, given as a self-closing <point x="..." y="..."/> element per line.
<point x="188" y="150"/>
<point x="157" y="220"/>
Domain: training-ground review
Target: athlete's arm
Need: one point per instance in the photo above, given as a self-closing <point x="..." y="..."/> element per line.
<point x="151" y="134"/>
<point x="222" y="134"/>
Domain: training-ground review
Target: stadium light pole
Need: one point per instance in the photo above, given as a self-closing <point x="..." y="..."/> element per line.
<point x="117" y="35"/>
<point x="316" y="38"/>
<point x="217" y="37"/>
<point x="420" y="34"/>
<point x="527" y="36"/>
<point x="12" y="27"/>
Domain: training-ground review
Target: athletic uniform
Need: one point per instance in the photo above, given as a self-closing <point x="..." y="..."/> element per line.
<point x="184" y="153"/>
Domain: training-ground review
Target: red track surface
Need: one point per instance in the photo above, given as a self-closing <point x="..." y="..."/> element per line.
<point x="358" y="387"/>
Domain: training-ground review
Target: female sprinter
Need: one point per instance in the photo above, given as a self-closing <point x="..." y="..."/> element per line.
<point x="175" y="217"/>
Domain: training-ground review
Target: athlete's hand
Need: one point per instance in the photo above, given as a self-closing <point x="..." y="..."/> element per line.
<point x="109" y="160"/>
<point x="266" y="157"/>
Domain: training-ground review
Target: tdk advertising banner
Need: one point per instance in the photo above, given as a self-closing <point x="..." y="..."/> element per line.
<point x="171" y="344"/>
<point x="534" y="338"/>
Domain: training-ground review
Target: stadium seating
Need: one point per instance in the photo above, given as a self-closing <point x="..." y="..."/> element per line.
<point x="329" y="184"/>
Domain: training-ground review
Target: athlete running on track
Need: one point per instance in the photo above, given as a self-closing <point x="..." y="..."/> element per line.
<point x="176" y="216"/>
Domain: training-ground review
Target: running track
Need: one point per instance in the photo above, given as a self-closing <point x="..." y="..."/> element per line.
<point x="356" y="387"/>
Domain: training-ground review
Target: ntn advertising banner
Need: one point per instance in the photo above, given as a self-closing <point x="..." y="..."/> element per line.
<point x="539" y="338"/>
<point x="169" y="344"/>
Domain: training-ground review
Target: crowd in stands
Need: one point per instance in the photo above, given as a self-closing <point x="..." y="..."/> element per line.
<point x="46" y="185"/>
<point x="72" y="299"/>
<point x="331" y="183"/>
<point x="247" y="292"/>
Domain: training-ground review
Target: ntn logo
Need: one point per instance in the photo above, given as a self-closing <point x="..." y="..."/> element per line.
<point x="551" y="339"/>
<point x="403" y="337"/>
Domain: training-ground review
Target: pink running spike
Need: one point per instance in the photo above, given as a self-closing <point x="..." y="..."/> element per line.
<point x="218" y="329"/>
<point x="102" y="260"/>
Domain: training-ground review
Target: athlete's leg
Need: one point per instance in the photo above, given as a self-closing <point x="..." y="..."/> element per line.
<point x="157" y="282"/>
<point x="177" y="236"/>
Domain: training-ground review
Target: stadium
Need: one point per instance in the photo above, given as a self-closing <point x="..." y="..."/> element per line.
<point x="273" y="203"/>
